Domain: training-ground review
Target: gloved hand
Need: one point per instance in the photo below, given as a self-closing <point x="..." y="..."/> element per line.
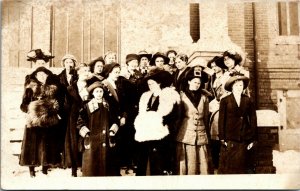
<point x="250" y="145"/>
<point x="112" y="139"/>
<point x="87" y="142"/>
<point x="223" y="142"/>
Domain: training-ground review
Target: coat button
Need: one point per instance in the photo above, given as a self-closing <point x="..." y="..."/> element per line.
<point x="103" y="145"/>
<point x="154" y="150"/>
<point x="103" y="132"/>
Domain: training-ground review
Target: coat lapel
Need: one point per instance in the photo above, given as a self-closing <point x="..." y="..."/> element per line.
<point x="111" y="90"/>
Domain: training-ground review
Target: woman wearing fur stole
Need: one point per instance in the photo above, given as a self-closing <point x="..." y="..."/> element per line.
<point x="42" y="103"/>
<point x="193" y="135"/>
<point x="157" y="111"/>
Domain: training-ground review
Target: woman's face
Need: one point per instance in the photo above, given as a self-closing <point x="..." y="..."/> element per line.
<point x="115" y="73"/>
<point x="159" y="62"/>
<point x="133" y="65"/>
<point x="144" y="62"/>
<point x="98" y="68"/>
<point x="229" y="62"/>
<point x="84" y="73"/>
<point x="98" y="93"/>
<point x="40" y="62"/>
<point x="41" y="77"/>
<point x="172" y="58"/>
<point x="194" y="84"/>
<point x="238" y="87"/>
<point x="110" y="58"/>
<point x="216" y="68"/>
<point x="153" y="86"/>
<point x="180" y="64"/>
<point x="69" y="64"/>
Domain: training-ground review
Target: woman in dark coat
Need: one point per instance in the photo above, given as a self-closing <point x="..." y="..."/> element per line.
<point x="97" y="125"/>
<point x="96" y="68"/>
<point x="68" y="76"/>
<point x="153" y="124"/>
<point x="77" y="94"/>
<point x="119" y="98"/>
<point x="237" y="126"/>
<point x="43" y="135"/>
<point x="181" y="61"/>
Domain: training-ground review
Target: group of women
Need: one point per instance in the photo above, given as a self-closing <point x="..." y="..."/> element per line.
<point x="158" y="114"/>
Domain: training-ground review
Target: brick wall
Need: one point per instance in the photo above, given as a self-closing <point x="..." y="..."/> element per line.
<point x="278" y="63"/>
<point x="240" y="30"/>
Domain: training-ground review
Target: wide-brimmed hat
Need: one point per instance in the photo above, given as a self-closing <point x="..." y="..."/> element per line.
<point x="159" y="54"/>
<point x="130" y="57"/>
<point x="219" y="61"/>
<point x="68" y="56"/>
<point x="142" y="54"/>
<point x="38" y="54"/>
<point x="235" y="77"/>
<point x="93" y="62"/>
<point x="160" y="76"/>
<point x="108" y="68"/>
<point x="94" y="85"/>
<point x="193" y="72"/>
<point x="233" y="55"/>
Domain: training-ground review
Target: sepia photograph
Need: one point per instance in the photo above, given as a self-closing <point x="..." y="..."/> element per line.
<point x="150" y="94"/>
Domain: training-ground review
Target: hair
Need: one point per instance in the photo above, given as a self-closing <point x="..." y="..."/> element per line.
<point x="183" y="57"/>
<point x="68" y="56"/>
<point x="110" y="52"/>
<point x="171" y="51"/>
<point x="41" y="69"/>
<point x="93" y="63"/>
<point x="236" y="57"/>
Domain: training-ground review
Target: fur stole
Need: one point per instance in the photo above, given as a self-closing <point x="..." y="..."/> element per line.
<point x="149" y="124"/>
<point x="42" y="113"/>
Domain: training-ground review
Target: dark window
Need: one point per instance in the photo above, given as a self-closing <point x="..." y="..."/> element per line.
<point x="195" y="21"/>
<point x="288" y="18"/>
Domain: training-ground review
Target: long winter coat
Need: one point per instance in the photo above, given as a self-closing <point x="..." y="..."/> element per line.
<point x="43" y="134"/>
<point x="152" y="131"/>
<point x="98" y="119"/>
<point x="237" y="126"/>
<point x="122" y="100"/>
<point x="73" y="147"/>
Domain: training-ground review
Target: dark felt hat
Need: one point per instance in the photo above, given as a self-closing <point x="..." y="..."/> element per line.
<point x="235" y="77"/>
<point x="194" y="72"/>
<point x="233" y="55"/>
<point x="108" y="68"/>
<point x="94" y="85"/>
<point x="93" y="62"/>
<point x="142" y="54"/>
<point x="38" y="54"/>
<point x="160" y="76"/>
<point x="159" y="54"/>
<point x="130" y="57"/>
<point x="219" y="61"/>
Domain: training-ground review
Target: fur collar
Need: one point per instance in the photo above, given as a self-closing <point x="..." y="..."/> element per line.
<point x="149" y="124"/>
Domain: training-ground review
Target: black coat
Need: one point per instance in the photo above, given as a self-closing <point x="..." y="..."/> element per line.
<point x="72" y="147"/>
<point x="237" y="123"/>
<point x="43" y="135"/>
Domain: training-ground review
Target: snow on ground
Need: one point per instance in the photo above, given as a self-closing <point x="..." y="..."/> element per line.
<point x="286" y="161"/>
<point x="14" y="176"/>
